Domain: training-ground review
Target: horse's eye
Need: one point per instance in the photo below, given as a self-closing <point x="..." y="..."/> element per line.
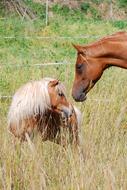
<point x="79" y="66"/>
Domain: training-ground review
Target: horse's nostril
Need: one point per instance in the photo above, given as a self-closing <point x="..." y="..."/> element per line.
<point x="84" y="90"/>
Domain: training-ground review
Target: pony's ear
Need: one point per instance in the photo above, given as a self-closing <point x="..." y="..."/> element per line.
<point x="53" y="83"/>
<point x="79" y="48"/>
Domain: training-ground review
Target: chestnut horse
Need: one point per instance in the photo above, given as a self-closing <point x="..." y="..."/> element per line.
<point x="94" y="59"/>
<point x="43" y="106"/>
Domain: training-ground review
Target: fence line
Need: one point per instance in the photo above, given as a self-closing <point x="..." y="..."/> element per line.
<point x="50" y="37"/>
<point x="6" y="97"/>
<point x="39" y="65"/>
<point x="47" y="13"/>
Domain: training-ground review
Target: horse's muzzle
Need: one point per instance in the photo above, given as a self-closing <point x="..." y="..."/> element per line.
<point x="79" y="93"/>
<point x="80" y="97"/>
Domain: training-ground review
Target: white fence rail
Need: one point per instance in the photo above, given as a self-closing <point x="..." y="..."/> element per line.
<point x="50" y="37"/>
<point x="38" y="65"/>
<point x="5" y="97"/>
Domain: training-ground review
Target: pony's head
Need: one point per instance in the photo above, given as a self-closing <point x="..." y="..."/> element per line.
<point x="58" y="100"/>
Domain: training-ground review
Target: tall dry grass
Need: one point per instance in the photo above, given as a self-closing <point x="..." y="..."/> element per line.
<point x="99" y="163"/>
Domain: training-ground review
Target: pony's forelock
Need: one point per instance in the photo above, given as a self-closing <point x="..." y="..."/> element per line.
<point x="61" y="88"/>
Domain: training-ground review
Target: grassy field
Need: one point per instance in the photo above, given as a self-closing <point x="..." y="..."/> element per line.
<point x="103" y="132"/>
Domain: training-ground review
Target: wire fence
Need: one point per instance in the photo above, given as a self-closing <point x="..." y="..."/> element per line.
<point x="8" y="97"/>
<point x="86" y="36"/>
<point x="54" y="64"/>
<point x="3" y="98"/>
<point x="50" y="37"/>
<point x="40" y="65"/>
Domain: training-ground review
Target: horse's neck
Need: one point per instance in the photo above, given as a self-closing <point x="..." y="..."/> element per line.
<point x="112" y="53"/>
<point x="108" y="62"/>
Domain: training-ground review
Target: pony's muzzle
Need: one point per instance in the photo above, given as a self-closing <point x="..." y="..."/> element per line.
<point x="67" y="111"/>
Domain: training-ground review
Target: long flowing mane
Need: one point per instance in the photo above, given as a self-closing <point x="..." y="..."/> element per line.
<point x="35" y="95"/>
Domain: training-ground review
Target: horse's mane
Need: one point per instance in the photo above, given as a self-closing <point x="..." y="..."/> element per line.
<point x="99" y="47"/>
<point x="32" y="98"/>
<point x="119" y="36"/>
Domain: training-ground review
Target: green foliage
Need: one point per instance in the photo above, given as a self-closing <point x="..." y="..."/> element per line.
<point x="88" y="8"/>
<point x="2" y="8"/>
<point x="95" y="13"/>
<point x="122" y="3"/>
<point x="119" y="24"/>
<point x="85" y="6"/>
<point x="59" y="9"/>
<point x="96" y="1"/>
<point x="38" y="8"/>
<point x="63" y="12"/>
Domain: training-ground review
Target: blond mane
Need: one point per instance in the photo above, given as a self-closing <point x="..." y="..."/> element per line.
<point x="31" y="98"/>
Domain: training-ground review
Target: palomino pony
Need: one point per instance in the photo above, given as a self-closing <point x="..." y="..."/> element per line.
<point x="94" y="59"/>
<point x="43" y="106"/>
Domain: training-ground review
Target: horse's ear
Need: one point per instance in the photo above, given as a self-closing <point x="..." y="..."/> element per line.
<point x="53" y="83"/>
<point x="79" y="48"/>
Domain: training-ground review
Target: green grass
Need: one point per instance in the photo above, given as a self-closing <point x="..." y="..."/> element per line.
<point x="103" y="129"/>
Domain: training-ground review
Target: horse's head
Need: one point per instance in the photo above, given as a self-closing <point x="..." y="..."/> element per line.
<point x="88" y="71"/>
<point x="59" y="102"/>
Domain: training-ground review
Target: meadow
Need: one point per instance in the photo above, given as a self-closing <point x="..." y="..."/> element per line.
<point x="103" y="132"/>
